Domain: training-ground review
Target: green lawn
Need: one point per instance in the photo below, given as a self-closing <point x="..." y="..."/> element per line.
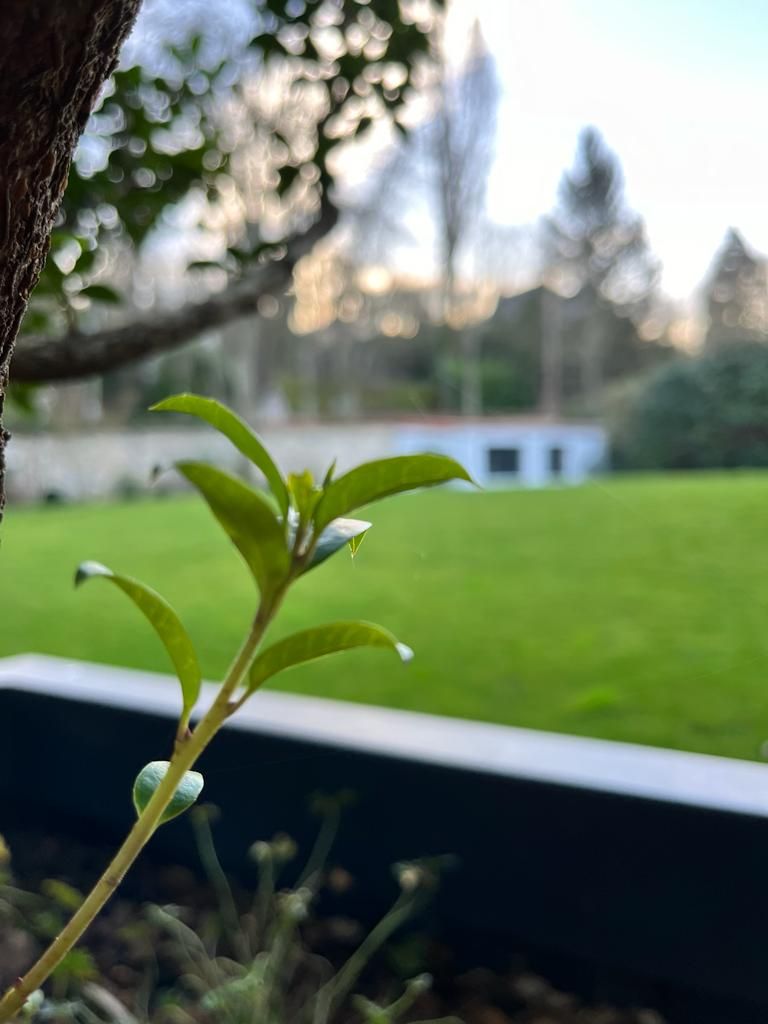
<point x="634" y="609"/>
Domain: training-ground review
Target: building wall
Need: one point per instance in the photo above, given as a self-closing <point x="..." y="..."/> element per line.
<point x="106" y="462"/>
<point x="102" y="463"/>
<point x="583" y="449"/>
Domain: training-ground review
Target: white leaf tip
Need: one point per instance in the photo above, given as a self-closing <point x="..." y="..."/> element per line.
<point x="87" y="569"/>
<point x="405" y="652"/>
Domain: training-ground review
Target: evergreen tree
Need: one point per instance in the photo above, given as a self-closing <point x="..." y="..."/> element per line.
<point x="737" y="294"/>
<point x="596" y="246"/>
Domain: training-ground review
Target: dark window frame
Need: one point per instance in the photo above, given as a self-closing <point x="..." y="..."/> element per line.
<point x="504" y="461"/>
<point x="556" y="460"/>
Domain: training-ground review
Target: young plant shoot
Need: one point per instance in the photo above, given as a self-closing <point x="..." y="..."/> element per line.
<point x="280" y="534"/>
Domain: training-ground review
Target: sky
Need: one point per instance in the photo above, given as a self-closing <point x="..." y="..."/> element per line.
<point x="679" y="90"/>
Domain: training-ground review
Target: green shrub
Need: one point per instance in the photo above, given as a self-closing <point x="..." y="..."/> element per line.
<point x="706" y="412"/>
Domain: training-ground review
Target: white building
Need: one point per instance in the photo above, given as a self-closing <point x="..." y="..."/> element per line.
<point x="497" y="452"/>
<point x="525" y="452"/>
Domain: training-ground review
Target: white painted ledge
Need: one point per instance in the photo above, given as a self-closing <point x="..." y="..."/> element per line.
<point x="623" y="768"/>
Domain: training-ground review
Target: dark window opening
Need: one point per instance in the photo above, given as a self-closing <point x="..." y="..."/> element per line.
<point x="556" y="461"/>
<point x="504" y="460"/>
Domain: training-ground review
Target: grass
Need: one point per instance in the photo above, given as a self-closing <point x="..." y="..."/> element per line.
<point x="632" y="609"/>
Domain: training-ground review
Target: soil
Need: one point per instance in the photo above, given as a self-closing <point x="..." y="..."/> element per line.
<point x="133" y="957"/>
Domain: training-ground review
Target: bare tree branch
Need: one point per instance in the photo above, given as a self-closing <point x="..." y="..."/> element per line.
<point x="75" y="356"/>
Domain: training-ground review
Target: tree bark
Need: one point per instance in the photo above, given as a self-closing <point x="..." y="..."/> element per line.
<point x="55" y="56"/>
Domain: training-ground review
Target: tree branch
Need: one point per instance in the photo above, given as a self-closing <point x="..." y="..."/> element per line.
<point x="76" y="356"/>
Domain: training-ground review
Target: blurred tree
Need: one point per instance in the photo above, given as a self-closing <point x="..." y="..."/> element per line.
<point x="194" y="123"/>
<point x="458" y="145"/>
<point x="737" y="294"/>
<point x="706" y="412"/>
<point x="173" y="125"/>
<point x="518" y="333"/>
<point x="443" y="167"/>
<point x="596" y="247"/>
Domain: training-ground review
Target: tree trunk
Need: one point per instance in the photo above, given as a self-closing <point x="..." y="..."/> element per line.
<point x="241" y="349"/>
<point x="471" y="372"/>
<point x="551" y="377"/>
<point x="592" y="358"/>
<point x="346" y="404"/>
<point x="307" y="359"/>
<point x="55" y="56"/>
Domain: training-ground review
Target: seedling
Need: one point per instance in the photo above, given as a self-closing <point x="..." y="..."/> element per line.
<point x="281" y="535"/>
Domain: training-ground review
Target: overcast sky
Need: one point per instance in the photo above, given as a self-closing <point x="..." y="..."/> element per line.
<point x="677" y="87"/>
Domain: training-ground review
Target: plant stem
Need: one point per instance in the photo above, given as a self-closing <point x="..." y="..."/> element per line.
<point x="184" y="756"/>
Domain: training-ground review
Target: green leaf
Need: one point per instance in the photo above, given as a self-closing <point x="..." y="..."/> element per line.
<point x="355" y="542"/>
<point x="238" y="432"/>
<point x="101" y="293"/>
<point x="335" y="536"/>
<point x="318" y="642"/>
<point x="305" y="494"/>
<point x="76" y="965"/>
<point x="375" y="480"/>
<point x="150" y="777"/>
<point x="165" y="622"/>
<point x="248" y="519"/>
<point x="66" y="896"/>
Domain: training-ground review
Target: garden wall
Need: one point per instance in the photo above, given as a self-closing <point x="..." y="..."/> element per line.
<point x="640" y="868"/>
<point x="107" y="462"/>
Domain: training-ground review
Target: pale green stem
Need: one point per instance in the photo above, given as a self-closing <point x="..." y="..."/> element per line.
<point x="185" y="755"/>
